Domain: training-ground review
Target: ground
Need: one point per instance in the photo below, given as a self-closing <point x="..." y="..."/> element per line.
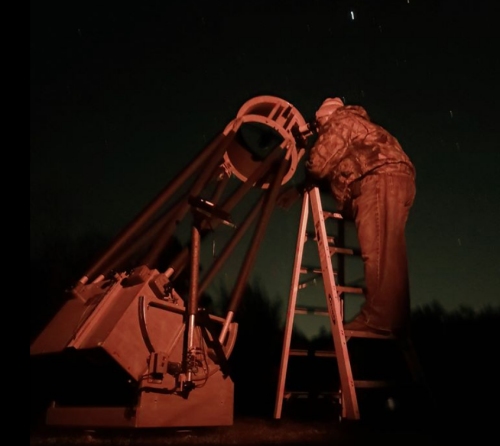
<point x="294" y="428"/>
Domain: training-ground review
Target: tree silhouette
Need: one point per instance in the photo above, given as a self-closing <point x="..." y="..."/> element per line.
<point x="256" y="356"/>
<point x="458" y="354"/>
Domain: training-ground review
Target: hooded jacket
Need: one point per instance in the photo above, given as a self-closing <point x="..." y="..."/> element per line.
<point x="349" y="147"/>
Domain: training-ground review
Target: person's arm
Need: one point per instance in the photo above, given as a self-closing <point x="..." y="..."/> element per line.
<point x="327" y="151"/>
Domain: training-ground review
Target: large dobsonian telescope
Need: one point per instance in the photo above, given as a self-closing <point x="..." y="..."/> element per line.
<point x="131" y="346"/>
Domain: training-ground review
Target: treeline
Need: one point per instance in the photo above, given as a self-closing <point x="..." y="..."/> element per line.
<point x="456" y="351"/>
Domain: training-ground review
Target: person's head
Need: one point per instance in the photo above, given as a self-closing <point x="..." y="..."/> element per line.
<point x="327" y="108"/>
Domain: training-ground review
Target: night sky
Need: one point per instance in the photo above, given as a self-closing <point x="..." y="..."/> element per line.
<point x="125" y="94"/>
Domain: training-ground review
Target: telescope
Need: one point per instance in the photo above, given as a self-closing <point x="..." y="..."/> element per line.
<point x="132" y="346"/>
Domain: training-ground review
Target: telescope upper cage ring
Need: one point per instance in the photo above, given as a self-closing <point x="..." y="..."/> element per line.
<point x="262" y="124"/>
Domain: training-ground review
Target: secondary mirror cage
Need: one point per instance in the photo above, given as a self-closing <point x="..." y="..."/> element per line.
<point x="263" y="123"/>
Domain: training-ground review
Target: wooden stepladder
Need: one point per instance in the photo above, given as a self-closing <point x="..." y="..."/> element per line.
<point x="349" y="403"/>
<point x="335" y="292"/>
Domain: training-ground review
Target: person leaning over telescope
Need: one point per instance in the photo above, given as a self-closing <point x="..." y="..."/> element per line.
<point x="373" y="181"/>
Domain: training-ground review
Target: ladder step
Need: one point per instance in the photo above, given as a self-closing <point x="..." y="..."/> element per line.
<point x="336" y="215"/>
<point x="340" y="289"/>
<point x="366" y="334"/>
<point x="312" y="236"/>
<point x="301" y="394"/>
<point x="312" y="270"/>
<point x="350" y="289"/>
<point x="312" y="310"/>
<point x="316" y="353"/>
<point x="337" y="250"/>
<point x="333" y="248"/>
<point x="374" y="384"/>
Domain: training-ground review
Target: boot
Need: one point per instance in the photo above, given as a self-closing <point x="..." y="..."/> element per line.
<point x="358" y="324"/>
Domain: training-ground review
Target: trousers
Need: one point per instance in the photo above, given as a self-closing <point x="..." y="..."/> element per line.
<point x="380" y="205"/>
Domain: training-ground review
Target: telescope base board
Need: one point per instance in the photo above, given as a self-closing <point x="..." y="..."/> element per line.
<point x="210" y="405"/>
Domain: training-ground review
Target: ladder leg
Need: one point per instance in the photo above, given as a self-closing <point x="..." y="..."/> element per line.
<point x="350" y="407"/>
<point x="292" y="301"/>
